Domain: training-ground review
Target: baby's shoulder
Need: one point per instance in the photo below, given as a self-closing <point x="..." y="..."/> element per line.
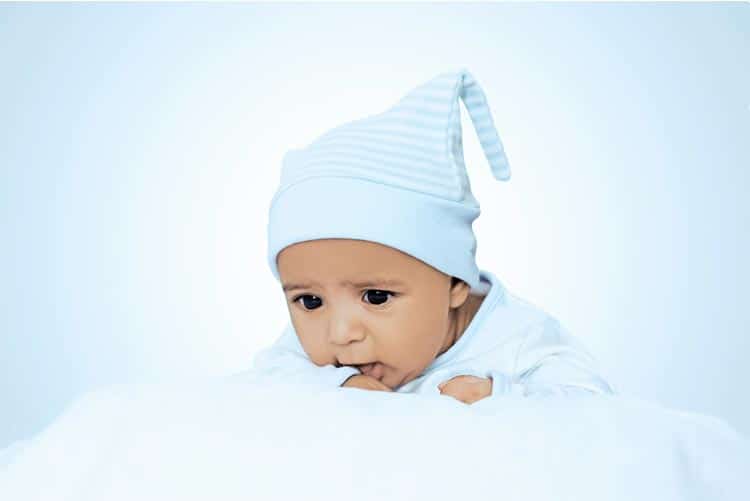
<point x="513" y="311"/>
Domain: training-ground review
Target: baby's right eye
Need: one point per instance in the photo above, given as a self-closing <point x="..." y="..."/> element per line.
<point x="309" y="305"/>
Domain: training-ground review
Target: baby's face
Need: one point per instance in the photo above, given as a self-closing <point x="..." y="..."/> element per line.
<point x="345" y="313"/>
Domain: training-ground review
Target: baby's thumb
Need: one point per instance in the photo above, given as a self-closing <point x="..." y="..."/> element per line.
<point x="382" y="386"/>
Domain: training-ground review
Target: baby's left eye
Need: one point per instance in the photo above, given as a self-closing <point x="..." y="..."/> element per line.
<point x="378" y="297"/>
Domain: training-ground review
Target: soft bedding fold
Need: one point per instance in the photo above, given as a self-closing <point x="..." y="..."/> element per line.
<point x="235" y="439"/>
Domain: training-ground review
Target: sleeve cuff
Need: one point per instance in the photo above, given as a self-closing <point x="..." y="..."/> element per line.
<point x="502" y="384"/>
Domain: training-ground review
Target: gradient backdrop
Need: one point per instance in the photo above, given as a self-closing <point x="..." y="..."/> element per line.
<point x="140" y="146"/>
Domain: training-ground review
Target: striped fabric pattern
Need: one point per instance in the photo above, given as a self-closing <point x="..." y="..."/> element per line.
<point x="415" y="145"/>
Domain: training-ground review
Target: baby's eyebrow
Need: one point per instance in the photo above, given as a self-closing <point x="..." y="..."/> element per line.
<point x="388" y="282"/>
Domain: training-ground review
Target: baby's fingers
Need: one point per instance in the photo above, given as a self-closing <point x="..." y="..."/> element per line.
<point x="384" y="387"/>
<point x="467" y="389"/>
<point x="378" y="385"/>
<point x="365" y="383"/>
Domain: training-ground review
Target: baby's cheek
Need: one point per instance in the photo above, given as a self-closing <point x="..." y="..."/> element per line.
<point x="318" y="356"/>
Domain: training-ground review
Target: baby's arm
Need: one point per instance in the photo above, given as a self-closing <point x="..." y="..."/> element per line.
<point x="548" y="361"/>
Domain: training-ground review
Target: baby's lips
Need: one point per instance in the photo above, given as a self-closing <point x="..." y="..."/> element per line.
<point x="366" y="368"/>
<point x="374" y="369"/>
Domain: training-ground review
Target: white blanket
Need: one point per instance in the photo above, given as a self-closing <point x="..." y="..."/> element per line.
<point x="238" y="440"/>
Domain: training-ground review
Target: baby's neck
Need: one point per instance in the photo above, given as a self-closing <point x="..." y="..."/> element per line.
<point x="462" y="319"/>
<point x="470" y="307"/>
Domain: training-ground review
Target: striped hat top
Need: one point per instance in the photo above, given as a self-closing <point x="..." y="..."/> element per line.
<point x="397" y="178"/>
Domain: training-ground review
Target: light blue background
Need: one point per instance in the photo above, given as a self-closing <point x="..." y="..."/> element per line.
<point x="140" y="147"/>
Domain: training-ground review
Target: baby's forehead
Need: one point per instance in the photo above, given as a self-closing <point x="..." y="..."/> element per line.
<point x="348" y="259"/>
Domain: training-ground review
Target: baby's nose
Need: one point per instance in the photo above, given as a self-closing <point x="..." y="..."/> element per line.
<point x="344" y="331"/>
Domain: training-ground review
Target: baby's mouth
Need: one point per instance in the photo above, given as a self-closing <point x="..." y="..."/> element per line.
<point x="373" y="369"/>
<point x="366" y="368"/>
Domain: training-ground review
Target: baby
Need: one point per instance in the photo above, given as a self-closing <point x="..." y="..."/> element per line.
<point x="370" y="235"/>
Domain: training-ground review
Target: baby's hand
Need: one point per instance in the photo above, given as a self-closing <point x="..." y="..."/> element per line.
<point x="365" y="383"/>
<point x="467" y="389"/>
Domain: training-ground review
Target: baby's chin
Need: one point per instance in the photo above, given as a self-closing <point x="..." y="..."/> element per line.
<point x="394" y="379"/>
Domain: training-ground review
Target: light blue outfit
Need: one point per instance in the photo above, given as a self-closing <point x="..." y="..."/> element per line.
<point x="398" y="178"/>
<point x="524" y="350"/>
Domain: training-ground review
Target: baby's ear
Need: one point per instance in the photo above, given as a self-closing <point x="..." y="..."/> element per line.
<point x="459" y="292"/>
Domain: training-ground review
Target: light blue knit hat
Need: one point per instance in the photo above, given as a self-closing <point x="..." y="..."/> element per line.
<point x="397" y="178"/>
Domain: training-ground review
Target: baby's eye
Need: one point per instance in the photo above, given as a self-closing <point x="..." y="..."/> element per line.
<point x="378" y="297"/>
<point x="309" y="305"/>
<point x="375" y="297"/>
